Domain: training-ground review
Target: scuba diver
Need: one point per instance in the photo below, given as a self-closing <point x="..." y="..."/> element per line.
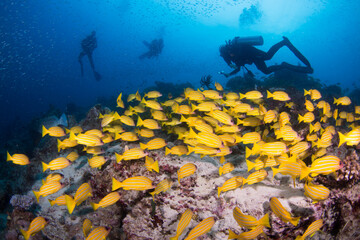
<point x="88" y="45"/>
<point x="155" y="48"/>
<point x="240" y="51"/>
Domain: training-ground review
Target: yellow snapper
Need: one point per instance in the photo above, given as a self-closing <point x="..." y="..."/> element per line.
<point x="252" y="234"/>
<point x="87" y="225"/>
<point x="56" y="164"/>
<point x="127" y="136"/>
<point x="75" y="130"/>
<point x="139" y="183"/>
<point x="208" y="139"/>
<point x="72" y="156"/>
<point x="145" y="132"/>
<point x="282" y="213"/>
<point x="153" y="144"/>
<point x="203" y="150"/>
<point x="230" y="184"/>
<point x="351" y="138"/>
<point x="82" y="193"/>
<point x="151" y="104"/>
<point x="255" y="177"/>
<point x="271" y="148"/>
<point x="134" y="96"/>
<point x="177" y="150"/>
<point x="257" y="165"/>
<point x="249" y="138"/>
<point x="307" y="118"/>
<point x="19" y="159"/>
<point x="309" y="106"/>
<point x="99" y="233"/>
<point x="203" y="227"/>
<point x="212" y="94"/>
<point x="153" y="94"/>
<point x="108" y="200"/>
<point x="53" y="131"/>
<point x="228" y="167"/>
<point x="127" y="120"/>
<point x="314" y="94"/>
<point x="221" y="116"/>
<point x="36" y="225"/>
<point x="278" y="95"/>
<point x="151" y="165"/>
<point x="251" y="95"/>
<point x="316" y="192"/>
<point x="60" y="201"/>
<point x="96" y="161"/>
<point x="119" y="102"/>
<point x="342" y="101"/>
<point x="248" y="221"/>
<point x="310" y="231"/>
<point x="87" y="140"/>
<point x="193" y="95"/>
<point x="48" y="188"/>
<point x="148" y="123"/>
<point x="130" y="154"/>
<point x="158" y="115"/>
<point x="183" y="223"/>
<point x="218" y="86"/>
<point x="186" y="170"/>
<point x="324" y="165"/>
<point x="66" y="143"/>
<point x="162" y="186"/>
<point x="53" y="177"/>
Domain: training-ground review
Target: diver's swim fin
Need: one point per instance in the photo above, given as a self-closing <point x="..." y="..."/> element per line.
<point x="297" y="53"/>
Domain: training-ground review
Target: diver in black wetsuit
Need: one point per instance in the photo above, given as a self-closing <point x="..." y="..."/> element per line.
<point x="155" y="48"/>
<point x="88" y="46"/>
<point x="236" y="54"/>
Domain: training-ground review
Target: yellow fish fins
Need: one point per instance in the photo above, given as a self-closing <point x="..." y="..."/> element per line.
<point x="183" y="223"/>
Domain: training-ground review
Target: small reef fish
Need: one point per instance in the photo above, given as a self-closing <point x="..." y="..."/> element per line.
<point x="203" y="150"/>
<point x="127" y="136"/>
<point x="230" y="184"/>
<point x="252" y="234"/>
<point x="310" y="231"/>
<point x="108" y="200"/>
<point x="36" y="225"/>
<point x="183" y="223"/>
<point x="158" y="115"/>
<point x="282" y="213"/>
<point x="60" y="201"/>
<point x="130" y="154"/>
<point x="186" y="170"/>
<point x="53" y="177"/>
<point x="177" y="150"/>
<point x="248" y="221"/>
<point x="87" y="225"/>
<point x="153" y="144"/>
<point x="249" y="138"/>
<point x="127" y="120"/>
<point x="228" y="167"/>
<point x="96" y="161"/>
<point x="66" y="143"/>
<point x="309" y="106"/>
<point x="278" y="95"/>
<point x="19" y="159"/>
<point x="255" y="177"/>
<point x="251" y="95"/>
<point x="270" y="148"/>
<point x="324" y="165"/>
<point x="307" y="118"/>
<point x="87" y="140"/>
<point x="203" y="227"/>
<point x="221" y="116"/>
<point x="140" y="183"/>
<point x="218" y="86"/>
<point x="56" y="164"/>
<point x="153" y="94"/>
<point x="53" y="131"/>
<point x="316" y="192"/>
<point x="151" y="104"/>
<point x="134" y="96"/>
<point x="314" y="94"/>
<point x="82" y="193"/>
<point x="342" y="101"/>
<point x="208" y="139"/>
<point x="162" y="186"/>
<point x="288" y="168"/>
<point x="47" y="189"/>
<point x="212" y="94"/>
<point x="72" y="156"/>
<point x="351" y="138"/>
<point x="99" y="233"/>
<point x="151" y="165"/>
<point x="148" y="123"/>
<point x="119" y="102"/>
<point x="146" y="133"/>
<point x="75" y="130"/>
<point x="257" y="165"/>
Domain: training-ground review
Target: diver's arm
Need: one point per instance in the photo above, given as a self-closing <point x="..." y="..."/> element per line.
<point x="231" y="73"/>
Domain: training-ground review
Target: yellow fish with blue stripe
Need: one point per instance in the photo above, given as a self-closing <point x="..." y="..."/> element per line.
<point x="228" y="167"/>
<point x="248" y="221"/>
<point x="151" y="165"/>
<point x="252" y="234"/>
<point x="53" y="131"/>
<point x="82" y="193"/>
<point x="48" y="188"/>
<point x="56" y="164"/>
<point x="87" y="225"/>
<point x="19" y="159"/>
<point x="310" y="231"/>
<point x="106" y="201"/>
<point x="203" y="227"/>
<point x="139" y="183"/>
<point x="36" y="225"/>
<point x="130" y="154"/>
<point x="186" y="170"/>
<point x="230" y="184"/>
<point x="183" y="223"/>
<point x="153" y="144"/>
<point x="99" y="233"/>
<point x="282" y="213"/>
<point x="162" y="186"/>
<point x="316" y="192"/>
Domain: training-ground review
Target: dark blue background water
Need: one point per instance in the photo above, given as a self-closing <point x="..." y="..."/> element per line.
<point x="40" y="43"/>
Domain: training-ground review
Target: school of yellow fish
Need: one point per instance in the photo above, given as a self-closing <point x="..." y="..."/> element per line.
<point x="209" y="123"/>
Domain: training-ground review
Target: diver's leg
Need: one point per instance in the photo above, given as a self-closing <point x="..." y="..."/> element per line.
<point x="91" y="61"/>
<point x="261" y="65"/>
<point x="300" y="69"/>
<point x="274" y="49"/>
<point x="296" y="52"/>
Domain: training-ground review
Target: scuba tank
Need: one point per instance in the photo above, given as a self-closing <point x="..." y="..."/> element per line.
<point x="254" y="41"/>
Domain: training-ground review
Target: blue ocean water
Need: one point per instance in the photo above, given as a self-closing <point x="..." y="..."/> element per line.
<point x="40" y="42"/>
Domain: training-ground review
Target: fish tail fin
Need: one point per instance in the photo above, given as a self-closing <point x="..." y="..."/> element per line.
<point x="155" y="166"/>
<point x="143" y="100"/>
<point x="94" y="206"/>
<point x="275" y="171"/>
<point x="248" y="152"/>
<point x="37" y="195"/>
<point x="295" y="221"/>
<point x="142" y="146"/>
<point x="167" y="151"/>
<point x="139" y="122"/>
<point x="300" y="118"/>
<point x="269" y="94"/>
<point x="342" y="139"/>
<point x="335" y="101"/>
<point x="219" y="191"/>
<point x="265" y="220"/>
<point x="306" y="92"/>
<point x="190" y="149"/>
<point x="116" y="184"/>
<point x="250" y="165"/>
<point x="192" y="133"/>
<point x="70" y="203"/>
<point x="242" y="96"/>
<point x="220" y="170"/>
<point x="8" y="156"/>
<point x="52" y="202"/>
<point x="44" y="131"/>
<point x="311" y="128"/>
<point x="118" y="157"/>
<point x="193" y="107"/>
<point x="59" y="145"/>
<point x="72" y="136"/>
<point x="25" y="234"/>
<point x="232" y="235"/>
<point x="45" y="166"/>
<point x="305" y="171"/>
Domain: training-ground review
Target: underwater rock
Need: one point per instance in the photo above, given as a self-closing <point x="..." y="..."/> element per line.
<point x="22" y="201"/>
